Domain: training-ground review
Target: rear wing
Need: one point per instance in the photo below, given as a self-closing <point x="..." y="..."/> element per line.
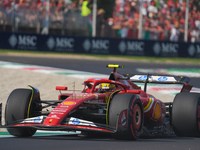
<point x="162" y="80"/>
<point x="159" y="79"/>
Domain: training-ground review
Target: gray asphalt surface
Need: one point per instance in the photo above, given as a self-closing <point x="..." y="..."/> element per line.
<point x="103" y="143"/>
<point x="81" y="143"/>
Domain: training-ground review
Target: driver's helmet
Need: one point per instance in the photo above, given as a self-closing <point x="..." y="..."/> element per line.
<point x="106" y="86"/>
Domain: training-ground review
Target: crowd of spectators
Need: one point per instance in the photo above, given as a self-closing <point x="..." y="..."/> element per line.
<point x="63" y="14"/>
<point x="162" y="20"/>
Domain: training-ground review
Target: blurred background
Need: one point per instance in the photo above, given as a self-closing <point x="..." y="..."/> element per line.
<point x="166" y="20"/>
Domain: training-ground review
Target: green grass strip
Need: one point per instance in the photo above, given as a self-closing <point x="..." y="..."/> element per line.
<point x="4" y="133"/>
<point x="192" y="70"/>
<point x="40" y="133"/>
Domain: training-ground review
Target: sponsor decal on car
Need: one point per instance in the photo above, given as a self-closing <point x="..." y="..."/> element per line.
<point x="76" y="121"/>
<point x="80" y="122"/>
<point x="69" y="103"/>
<point x="142" y="77"/>
<point x="54" y="116"/>
<point x="162" y="79"/>
<point x="79" y="97"/>
<point x="58" y="110"/>
<point x="38" y="119"/>
<point x="157" y="111"/>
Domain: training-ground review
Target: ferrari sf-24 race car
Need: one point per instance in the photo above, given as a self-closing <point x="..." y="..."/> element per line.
<point x="116" y="106"/>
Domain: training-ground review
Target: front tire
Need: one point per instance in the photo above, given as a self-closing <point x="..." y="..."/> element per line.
<point x="186" y="114"/>
<point x="20" y="105"/>
<point x="126" y="115"/>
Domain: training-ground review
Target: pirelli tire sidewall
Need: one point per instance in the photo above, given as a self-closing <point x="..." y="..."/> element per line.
<point x="136" y="117"/>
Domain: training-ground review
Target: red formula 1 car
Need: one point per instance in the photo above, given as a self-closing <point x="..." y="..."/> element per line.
<point x="115" y="105"/>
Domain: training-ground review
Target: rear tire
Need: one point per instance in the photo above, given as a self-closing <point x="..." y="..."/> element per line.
<point x="126" y="115"/>
<point x="17" y="108"/>
<point x="186" y="114"/>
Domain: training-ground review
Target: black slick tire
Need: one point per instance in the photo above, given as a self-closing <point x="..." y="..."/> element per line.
<point x="19" y="106"/>
<point x="186" y="114"/>
<point x="126" y="115"/>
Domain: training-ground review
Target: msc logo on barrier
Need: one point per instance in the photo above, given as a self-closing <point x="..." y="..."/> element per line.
<point x="23" y="41"/>
<point x="96" y="46"/>
<point x="12" y="41"/>
<point x="50" y="43"/>
<point x="132" y="47"/>
<point x="61" y="44"/>
<point x="166" y="49"/>
<point x="194" y="50"/>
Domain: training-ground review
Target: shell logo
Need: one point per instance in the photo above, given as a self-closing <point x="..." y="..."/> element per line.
<point x="69" y="103"/>
<point x="157" y="111"/>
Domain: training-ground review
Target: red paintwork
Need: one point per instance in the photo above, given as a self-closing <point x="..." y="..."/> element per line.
<point x="154" y="109"/>
<point x="90" y="94"/>
<point x="61" y="88"/>
<point x="70" y="104"/>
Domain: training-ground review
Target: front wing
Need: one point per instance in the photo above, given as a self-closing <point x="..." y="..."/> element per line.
<point x="70" y="124"/>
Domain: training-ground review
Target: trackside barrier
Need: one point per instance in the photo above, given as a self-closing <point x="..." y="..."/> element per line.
<point x="89" y="45"/>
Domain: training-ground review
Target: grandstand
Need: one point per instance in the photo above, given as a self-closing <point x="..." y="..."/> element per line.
<point x="162" y="19"/>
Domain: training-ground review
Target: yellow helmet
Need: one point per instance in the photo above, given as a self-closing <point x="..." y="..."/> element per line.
<point x="106" y="86"/>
